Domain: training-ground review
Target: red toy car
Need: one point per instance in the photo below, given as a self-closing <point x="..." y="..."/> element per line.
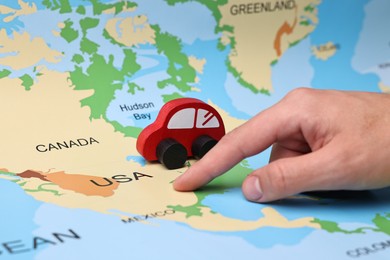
<point x="184" y="127"/>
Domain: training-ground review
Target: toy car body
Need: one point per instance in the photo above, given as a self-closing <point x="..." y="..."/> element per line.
<point x="184" y="127"/>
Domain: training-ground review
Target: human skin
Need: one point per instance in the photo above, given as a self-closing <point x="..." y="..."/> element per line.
<point x="321" y="140"/>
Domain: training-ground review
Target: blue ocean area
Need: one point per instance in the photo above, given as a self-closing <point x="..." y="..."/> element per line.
<point x="17" y="225"/>
<point x="269" y="237"/>
<point x="340" y="22"/>
<point x="14" y="25"/>
<point x="373" y="50"/>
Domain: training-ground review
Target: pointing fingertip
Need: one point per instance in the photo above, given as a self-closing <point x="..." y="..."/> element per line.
<point x="181" y="183"/>
<point x="176" y="183"/>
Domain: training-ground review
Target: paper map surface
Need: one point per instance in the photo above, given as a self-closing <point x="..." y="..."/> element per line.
<point x="79" y="80"/>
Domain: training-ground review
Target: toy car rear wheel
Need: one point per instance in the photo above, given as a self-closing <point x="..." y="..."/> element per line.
<point x="171" y="154"/>
<point x="202" y="145"/>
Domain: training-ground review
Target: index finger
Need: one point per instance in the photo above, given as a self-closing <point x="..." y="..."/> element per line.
<point x="240" y="143"/>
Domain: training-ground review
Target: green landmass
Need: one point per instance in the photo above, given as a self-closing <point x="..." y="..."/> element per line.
<point x="231" y="179"/>
<point x="62" y="5"/>
<point x="81" y="10"/>
<point x="232" y="42"/>
<point x="27" y="81"/>
<point x="4" y="73"/>
<point x="88" y="23"/>
<point x="309" y="8"/>
<point x="181" y="73"/>
<point x="104" y="78"/>
<point x="305" y="23"/>
<point x="382" y="224"/>
<point x="65" y="7"/>
<point x="274" y="62"/>
<point x="220" y="45"/>
<point x="190" y="211"/>
<point x="333" y="227"/>
<point x="227" y="28"/>
<point x="78" y="58"/>
<point x="133" y="87"/>
<point x="99" y="8"/>
<point x="169" y="97"/>
<point x="68" y="33"/>
<point x="88" y="46"/>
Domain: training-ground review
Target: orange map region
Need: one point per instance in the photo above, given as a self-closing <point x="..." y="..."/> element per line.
<point x="83" y="184"/>
<point x="284" y="29"/>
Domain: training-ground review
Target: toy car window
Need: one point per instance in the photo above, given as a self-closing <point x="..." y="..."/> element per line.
<point x="183" y="119"/>
<point x="206" y="119"/>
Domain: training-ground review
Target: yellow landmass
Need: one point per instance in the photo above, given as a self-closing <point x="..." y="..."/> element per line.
<point x="384" y="88"/>
<point x="20" y="51"/>
<point x="197" y="64"/>
<point x="324" y="52"/>
<point x="51" y="112"/>
<point x="25" y="9"/>
<point x="225" y="38"/>
<point x="131" y="31"/>
<point x="261" y="38"/>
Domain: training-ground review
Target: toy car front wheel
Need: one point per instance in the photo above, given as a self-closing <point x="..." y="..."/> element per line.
<point x="171" y="154"/>
<point x="202" y="145"/>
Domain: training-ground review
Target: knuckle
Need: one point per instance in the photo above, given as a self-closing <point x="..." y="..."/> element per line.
<point x="300" y="102"/>
<point x="299" y="94"/>
<point x="303" y="104"/>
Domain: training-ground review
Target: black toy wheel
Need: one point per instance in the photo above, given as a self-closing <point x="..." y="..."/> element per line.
<point x="171" y="154"/>
<point x="202" y="145"/>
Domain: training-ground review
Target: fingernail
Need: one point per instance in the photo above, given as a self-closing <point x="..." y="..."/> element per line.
<point x="253" y="189"/>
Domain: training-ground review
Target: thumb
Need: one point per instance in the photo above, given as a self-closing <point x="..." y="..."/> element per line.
<point x="288" y="176"/>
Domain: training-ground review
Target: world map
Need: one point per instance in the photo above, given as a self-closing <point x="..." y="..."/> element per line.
<point x="80" y="79"/>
